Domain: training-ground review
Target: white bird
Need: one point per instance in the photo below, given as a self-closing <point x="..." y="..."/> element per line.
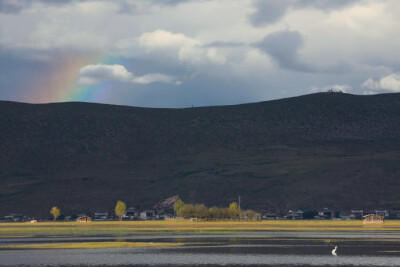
<point x="334" y="251"/>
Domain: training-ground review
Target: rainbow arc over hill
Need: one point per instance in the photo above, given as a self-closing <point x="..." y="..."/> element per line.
<point x="60" y="84"/>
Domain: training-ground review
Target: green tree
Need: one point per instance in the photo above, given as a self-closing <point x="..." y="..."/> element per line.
<point x="225" y="213"/>
<point x="251" y="215"/>
<point x="200" y="211"/>
<point x="55" y="212"/>
<point x="234" y="210"/>
<point x="186" y="211"/>
<point x="120" y="209"/>
<point x="178" y="205"/>
<point x="214" y="212"/>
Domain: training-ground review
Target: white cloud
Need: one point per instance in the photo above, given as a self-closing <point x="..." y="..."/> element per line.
<point x="101" y="72"/>
<point x="94" y="74"/>
<point x="369" y="93"/>
<point x="161" y="39"/>
<point x="155" y="77"/>
<point x="184" y="48"/>
<point x="390" y="82"/>
<point x="370" y="84"/>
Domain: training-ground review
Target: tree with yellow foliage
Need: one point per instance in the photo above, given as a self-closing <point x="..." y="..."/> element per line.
<point x="55" y="212"/>
<point x="120" y="209"/>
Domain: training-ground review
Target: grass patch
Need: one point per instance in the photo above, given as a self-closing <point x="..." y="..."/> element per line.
<point x="91" y="245"/>
<point x="170" y="227"/>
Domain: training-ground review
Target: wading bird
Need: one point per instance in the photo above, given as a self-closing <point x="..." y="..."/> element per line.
<point x="334" y="251"/>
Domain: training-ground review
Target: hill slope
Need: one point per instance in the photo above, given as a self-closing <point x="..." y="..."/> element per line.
<point x="329" y="149"/>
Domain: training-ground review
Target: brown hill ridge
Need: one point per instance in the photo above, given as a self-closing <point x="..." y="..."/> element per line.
<point x="322" y="150"/>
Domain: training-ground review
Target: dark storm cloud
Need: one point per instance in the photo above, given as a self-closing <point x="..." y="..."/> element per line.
<point x="283" y="47"/>
<point x="271" y="11"/>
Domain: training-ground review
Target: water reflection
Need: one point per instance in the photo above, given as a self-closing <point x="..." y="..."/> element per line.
<point x="162" y="257"/>
<point x="239" y="250"/>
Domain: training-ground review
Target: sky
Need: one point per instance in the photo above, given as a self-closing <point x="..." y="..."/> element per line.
<point x="183" y="53"/>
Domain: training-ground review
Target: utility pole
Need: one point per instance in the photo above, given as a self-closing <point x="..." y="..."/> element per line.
<point x="239" y="201"/>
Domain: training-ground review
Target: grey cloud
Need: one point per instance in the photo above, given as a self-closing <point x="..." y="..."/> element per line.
<point x="283" y="47"/>
<point x="16" y="6"/>
<point x="271" y="11"/>
<point x="57" y="2"/>
<point x="224" y="44"/>
<point x="12" y="7"/>
<point x="127" y="8"/>
<point x="341" y="67"/>
<point x="325" y="4"/>
<point x="268" y="12"/>
<point x="173" y="2"/>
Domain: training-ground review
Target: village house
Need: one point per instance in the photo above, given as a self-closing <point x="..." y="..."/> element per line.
<point x="269" y="216"/>
<point x="357" y="214"/>
<point x="147" y="215"/>
<point x="382" y="213"/>
<point x="164" y="216"/>
<point x="132" y="213"/>
<point x="325" y="213"/>
<point x="84" y="219"/>
<point x="295" y="215"/>
<point x="14" y="218"/>
<point x="373" y="218"/>
<point x="100" y="216"/>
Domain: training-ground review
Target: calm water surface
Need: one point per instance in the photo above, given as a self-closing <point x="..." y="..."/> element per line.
<point x="286" y="249"/>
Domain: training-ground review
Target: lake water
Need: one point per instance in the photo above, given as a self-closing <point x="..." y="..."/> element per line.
<point x="267" y="249"/>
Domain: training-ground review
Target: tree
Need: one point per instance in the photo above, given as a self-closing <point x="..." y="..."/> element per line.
<point x="215" y="212"/>
<point x="120" y="209"/>
<point x="178" y="205"/>
<point x="225" y="213"/>
<point x="200" y="211"/>
<point x="55" y="212"/>
<point x="251" y="214"/>
<point x="234" y="210"/>
<point x="187" y="211"/>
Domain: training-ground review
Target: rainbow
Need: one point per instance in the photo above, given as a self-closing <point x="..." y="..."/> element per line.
<point x="60" y="84"/>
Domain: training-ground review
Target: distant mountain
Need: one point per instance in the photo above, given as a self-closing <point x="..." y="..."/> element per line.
<point x="330" y="150"/>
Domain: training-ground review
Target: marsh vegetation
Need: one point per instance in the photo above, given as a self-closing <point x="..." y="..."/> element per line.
<point x="185" y="227"/>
